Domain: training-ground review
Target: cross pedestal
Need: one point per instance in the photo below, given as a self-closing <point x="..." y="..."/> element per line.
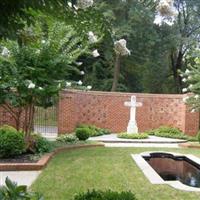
<point x="132" y="125"/>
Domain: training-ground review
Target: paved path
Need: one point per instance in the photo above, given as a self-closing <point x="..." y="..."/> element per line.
<point x="112" y="138"/>
<point x="138" y="145"/>
<point x="21" y="177"/>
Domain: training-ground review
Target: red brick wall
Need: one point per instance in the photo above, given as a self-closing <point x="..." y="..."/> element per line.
<point x="107" y="110"/>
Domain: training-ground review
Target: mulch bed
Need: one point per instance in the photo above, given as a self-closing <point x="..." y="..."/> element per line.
<point x="24" y="158"/>
<point x="10" y="165"/>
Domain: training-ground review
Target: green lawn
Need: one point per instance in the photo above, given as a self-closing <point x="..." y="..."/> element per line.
<point x="104" y="168"/>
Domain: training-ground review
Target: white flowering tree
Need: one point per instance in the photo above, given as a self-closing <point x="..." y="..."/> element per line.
<point x="120" y="50"/>
<point x="35" y="68"/>
<point x="191" y="77"/>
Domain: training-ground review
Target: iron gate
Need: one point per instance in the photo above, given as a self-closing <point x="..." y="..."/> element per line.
<point x="45" y="121"/>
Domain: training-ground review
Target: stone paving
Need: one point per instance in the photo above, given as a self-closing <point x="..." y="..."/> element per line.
<point x="113" y="141"/>
<point x="21" y="177"/>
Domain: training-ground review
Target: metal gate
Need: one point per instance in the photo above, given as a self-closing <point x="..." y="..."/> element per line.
<point x="45" y="121"/>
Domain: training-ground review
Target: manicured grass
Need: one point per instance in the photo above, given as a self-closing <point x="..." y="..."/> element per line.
<point x="104" y="168"/>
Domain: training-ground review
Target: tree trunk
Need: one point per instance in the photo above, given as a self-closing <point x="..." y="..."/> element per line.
<point x="177" y="64"/>
<point x="116" y="73"/>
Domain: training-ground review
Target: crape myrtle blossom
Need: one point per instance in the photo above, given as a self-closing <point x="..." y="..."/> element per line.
<point x="166" y="13"/>
<point x="185" y="99"/>
<point x="184" y="90"/>
<point x="89" y="87"/>
<point x="120" y="48"/>
<point x="166" y="9"/>
<point x="95" y="53"/>
<point x="91" y="37"/>
<point x="5" y="52"/>
<point x="80" y="82"/>
<point x="68" y="84"/>
<point x="82" y="72"/>
<point x="83" y="4"/>
<point x="31" y="85"/>
<point x="79" y="63"/>
<point x="184" y="80"/>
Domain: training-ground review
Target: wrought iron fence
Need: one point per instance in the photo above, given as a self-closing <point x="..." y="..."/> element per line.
<point x="45" y="121"/>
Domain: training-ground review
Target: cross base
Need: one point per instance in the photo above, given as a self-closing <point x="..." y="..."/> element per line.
<point x="132" y="127"/>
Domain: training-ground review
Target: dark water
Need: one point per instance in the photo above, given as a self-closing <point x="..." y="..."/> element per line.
<point x="172" y="168"/>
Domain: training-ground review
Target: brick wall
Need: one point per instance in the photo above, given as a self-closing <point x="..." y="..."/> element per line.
<point x="107" y="110"/>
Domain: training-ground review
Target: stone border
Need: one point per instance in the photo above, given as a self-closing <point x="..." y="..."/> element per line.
<point x="188" y="145"/>
<point x="154" y="177"/>
<point x="43" y="160"/>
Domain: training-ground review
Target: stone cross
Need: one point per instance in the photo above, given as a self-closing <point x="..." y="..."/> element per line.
<point x="132" y="125"/>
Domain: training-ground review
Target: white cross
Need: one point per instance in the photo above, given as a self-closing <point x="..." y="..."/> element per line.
<point x="132" y="125"/>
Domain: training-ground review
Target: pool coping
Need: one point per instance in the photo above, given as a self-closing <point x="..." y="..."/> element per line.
<point x="43" y="160"/>
<point x="154" y="177"/>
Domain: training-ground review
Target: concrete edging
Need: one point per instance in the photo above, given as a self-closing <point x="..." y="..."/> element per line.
<point x="188" y="145"/>
<point x="43" y="160"/>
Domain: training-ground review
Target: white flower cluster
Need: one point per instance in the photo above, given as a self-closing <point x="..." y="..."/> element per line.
<point x="186" y="76"/>
<point x="31" y="85"/>
<point x="83" y="4"/>
<point x="166" y="13"/>
<point x="5" y="52"/>
<point x="95" y="53"/>
<point x="120" y="47"/>
<point x="92" y="37"/>
<point x="166" y="8"/>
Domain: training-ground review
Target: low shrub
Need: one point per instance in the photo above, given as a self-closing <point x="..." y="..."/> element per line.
<point x="105" y="195"/>
<point x="83" y="133"/>
<point x="133" y="136"/>
<point x="68" y="138"/>
<point x="38" y="144"/>
<point x="95" y="131"/>
<point x="11" y="142"/>
<point x="168" y="132"/>
<point x="11" y="191"/>
<point x="42" y="145"/>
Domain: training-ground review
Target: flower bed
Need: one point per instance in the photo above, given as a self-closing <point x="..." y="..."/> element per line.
<point x="43" y="161"/>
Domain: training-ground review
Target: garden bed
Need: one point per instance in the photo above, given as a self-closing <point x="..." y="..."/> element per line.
<point x="24" y="158"/>
<point x="10" y="165"/>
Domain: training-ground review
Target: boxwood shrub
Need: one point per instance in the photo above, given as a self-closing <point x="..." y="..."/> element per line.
<point x="95" y="131"/>
<point x="133" y="136"/>
<point x="105" y="195"/>
<point x="168" y="132"/>
<point x="83" y="133"/>
<point x="11" y="142"/>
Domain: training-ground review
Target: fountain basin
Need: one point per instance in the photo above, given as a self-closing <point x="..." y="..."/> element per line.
<point x="177" y="170"/>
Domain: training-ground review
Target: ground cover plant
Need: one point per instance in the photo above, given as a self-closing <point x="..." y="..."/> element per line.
<point x="94" y="131"/>
<point x="170" y="132"/>
<point x="74" y="172"/>
<point x="133" y="136"/>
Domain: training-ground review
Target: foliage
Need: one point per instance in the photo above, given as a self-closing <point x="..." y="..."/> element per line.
<point x="36" y="67"/>
<point x="191" y="77"/>
<point x="198" y="136"/>
<point x="168" y="132"/>
<point x="11" y="191"/>
<point x="42" y="145"/>
<point x="8" y="128"/>
<point x="133" y="136"/>
<point x="11" y="142"/>
<point x="95" y="131"/>
<point x="105" y="195"/>
<point x="68" y="138"/>
<point x="83" y="133"/>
